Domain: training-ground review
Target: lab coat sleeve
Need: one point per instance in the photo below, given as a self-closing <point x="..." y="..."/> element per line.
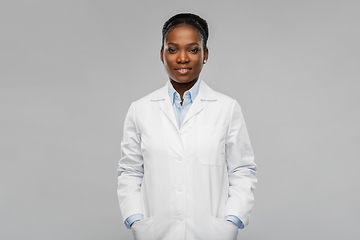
<point x="130" y="169"/>
<point x="241" y="167"/>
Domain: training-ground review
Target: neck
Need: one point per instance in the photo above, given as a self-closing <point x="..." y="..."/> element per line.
<point x="181" y="88"/>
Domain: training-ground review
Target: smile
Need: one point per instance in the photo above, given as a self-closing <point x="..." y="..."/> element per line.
<point x="183" y="70"/>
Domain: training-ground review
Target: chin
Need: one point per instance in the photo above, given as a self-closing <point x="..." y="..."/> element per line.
<point x="180" y="80"/>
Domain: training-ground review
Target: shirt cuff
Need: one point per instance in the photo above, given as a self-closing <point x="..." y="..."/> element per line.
<point x="235" y="220"/>
<point x="130" y="220"/>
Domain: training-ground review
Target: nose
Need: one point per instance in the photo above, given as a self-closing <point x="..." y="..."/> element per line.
<point x="182" y="57"/>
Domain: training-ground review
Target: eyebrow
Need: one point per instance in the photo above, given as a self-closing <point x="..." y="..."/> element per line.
<point x="190" y="44"/>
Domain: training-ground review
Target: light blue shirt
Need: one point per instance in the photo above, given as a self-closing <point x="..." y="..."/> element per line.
<point x="180" y="114"/>
<point x="189" y="97"/>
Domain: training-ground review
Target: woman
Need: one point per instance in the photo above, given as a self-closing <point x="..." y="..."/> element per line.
<point x="187" y="168"/>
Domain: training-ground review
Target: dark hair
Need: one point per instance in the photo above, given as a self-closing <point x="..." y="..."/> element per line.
<point x="190" y="19"/>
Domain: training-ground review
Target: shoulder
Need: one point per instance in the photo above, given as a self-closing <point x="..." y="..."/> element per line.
<point x="153" y="96"/>
<point x="207" y="93"/>
<point x="224" y="98"/>
<point x="156" y="95"/>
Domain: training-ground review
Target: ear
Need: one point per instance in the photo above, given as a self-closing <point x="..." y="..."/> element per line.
<point x="161" y="55"/>
<point x="206" y="54"/>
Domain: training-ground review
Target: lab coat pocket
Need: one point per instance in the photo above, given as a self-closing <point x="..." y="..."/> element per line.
<point x="223" y="229"/>
<point x="142" y="230"/>
<point x="211" y="144"/>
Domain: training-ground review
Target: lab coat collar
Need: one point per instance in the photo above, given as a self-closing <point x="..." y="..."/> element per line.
<point x="205" y="93"/>
<point x="162" y="96"/>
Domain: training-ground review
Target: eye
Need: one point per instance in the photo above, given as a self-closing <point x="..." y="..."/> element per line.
<point x="171" y="50"/>
<point x="195" y="50"/>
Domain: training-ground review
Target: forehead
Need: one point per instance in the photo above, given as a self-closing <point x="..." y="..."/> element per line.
<point x="183" y="33"/>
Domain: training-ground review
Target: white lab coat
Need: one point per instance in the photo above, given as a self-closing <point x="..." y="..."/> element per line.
<point x="185" y="181"/>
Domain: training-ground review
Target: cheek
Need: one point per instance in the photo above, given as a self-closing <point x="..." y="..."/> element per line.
<point x="198" y="63"/>
<point x="198" y="59"/>
<point x="168" y="60"/>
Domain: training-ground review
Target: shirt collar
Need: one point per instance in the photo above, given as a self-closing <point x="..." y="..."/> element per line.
<point x="193" y="92"/>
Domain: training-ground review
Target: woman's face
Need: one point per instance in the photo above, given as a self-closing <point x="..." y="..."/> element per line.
<point x="183" y="54"/>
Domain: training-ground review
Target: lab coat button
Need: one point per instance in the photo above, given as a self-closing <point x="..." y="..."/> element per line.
<point x="181" y="218"/>
<point x="179" y="158"/>
<point x="180" y="189"/>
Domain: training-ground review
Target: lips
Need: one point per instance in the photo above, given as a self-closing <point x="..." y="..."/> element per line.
<point x="182" y="70"/>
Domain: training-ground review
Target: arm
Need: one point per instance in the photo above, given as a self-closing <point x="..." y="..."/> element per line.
<point x="241" y="168"/>
<point x="130" y="170"/>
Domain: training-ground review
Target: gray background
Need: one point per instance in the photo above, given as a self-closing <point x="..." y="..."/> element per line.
<point x="70" y="69"/>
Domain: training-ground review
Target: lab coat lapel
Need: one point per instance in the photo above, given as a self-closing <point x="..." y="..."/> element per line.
<point x="162" y="97"/>
<point x="205" y="94"/>
<point x="166" y="107"/>
<point x="195" y="108"/>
